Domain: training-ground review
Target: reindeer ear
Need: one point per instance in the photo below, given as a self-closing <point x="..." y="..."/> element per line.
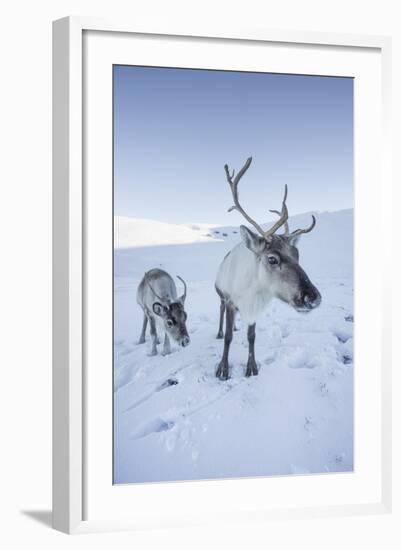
<point x="294" y="240"/>
<point x="252" y="241"/>
<point x="159" y="309"/>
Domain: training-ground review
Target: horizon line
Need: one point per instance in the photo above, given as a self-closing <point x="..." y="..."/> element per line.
<point x="212" y="224"/>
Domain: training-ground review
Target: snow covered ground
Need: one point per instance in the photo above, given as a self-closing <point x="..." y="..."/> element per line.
<point x="174" y="420"/>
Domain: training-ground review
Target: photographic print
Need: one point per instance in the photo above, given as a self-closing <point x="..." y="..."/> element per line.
<point x="232" y="274"/>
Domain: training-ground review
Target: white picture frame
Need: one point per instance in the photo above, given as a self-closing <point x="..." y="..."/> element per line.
<point x="70" y="286"/>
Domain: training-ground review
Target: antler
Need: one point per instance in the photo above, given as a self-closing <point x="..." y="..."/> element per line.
<point x="286" y="226"/>
<point x="185" y="287"/>
<point x="233" y="182"/>
<point x="234" y="190"/>
<point x="297" y="231"/>
<point x="308" y="230"/>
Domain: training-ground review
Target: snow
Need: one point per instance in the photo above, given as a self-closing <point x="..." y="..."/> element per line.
<point x="130" y="232"/>
<point x="174" y="420"/>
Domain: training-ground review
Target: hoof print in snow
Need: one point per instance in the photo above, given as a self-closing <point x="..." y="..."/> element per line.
<point x="323" y="388"/>
<point x="341" y="338"/>
<point x="307" y="423"/>
<point x="154" y="426"/>
<point x="269" y="360"/>
<point x="349" y="318"/>
<point x="346" y="359"/>
<point x="167" y="384"/>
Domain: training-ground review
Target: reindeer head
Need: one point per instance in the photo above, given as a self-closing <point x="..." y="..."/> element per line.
<point x="174" y="316"/>
<point x="279" y="258"/>
<point x="277" y="254"/>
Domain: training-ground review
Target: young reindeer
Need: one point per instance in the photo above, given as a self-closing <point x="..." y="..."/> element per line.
<point x="157" y="296"/>
<point x="263" y="266"/>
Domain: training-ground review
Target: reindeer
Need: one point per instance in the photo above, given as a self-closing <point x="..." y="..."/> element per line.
<point x="157" y="296"/>
<point x="263" y="266"/>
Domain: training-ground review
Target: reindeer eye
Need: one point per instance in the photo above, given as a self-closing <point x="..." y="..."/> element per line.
<point x="272" y="260"/>
<point x="169" y="323"/>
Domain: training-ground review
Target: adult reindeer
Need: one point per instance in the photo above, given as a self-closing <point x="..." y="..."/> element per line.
<point x="263" y="266"/>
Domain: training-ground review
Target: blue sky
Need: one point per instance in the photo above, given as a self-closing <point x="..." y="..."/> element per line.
<point x="174" y="129"/>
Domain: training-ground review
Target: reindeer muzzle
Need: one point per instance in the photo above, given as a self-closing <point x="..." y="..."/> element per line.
<point x="185" y="341"/>
<point x="309" y="299"/>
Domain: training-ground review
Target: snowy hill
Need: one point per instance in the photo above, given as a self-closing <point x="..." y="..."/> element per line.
<point x="135" y="232"/>
<point x="174" y="420"/>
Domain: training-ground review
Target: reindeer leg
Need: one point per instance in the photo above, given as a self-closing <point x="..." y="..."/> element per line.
<point x="166" y="345"/>
<point x="222" y="310"/>
<point x="153" y="335"/>
<point x="144" y="325"/>
<point x="222" y="369"/>
<point x="235" y="328"/>
<point x="251" y="367"/>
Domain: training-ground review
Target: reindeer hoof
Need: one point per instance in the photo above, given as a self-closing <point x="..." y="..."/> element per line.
<point x="222" y="371"/>
<point x="219" y="335"/>
<point x="140" y="341"/>
<point x="251" y="369"/>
